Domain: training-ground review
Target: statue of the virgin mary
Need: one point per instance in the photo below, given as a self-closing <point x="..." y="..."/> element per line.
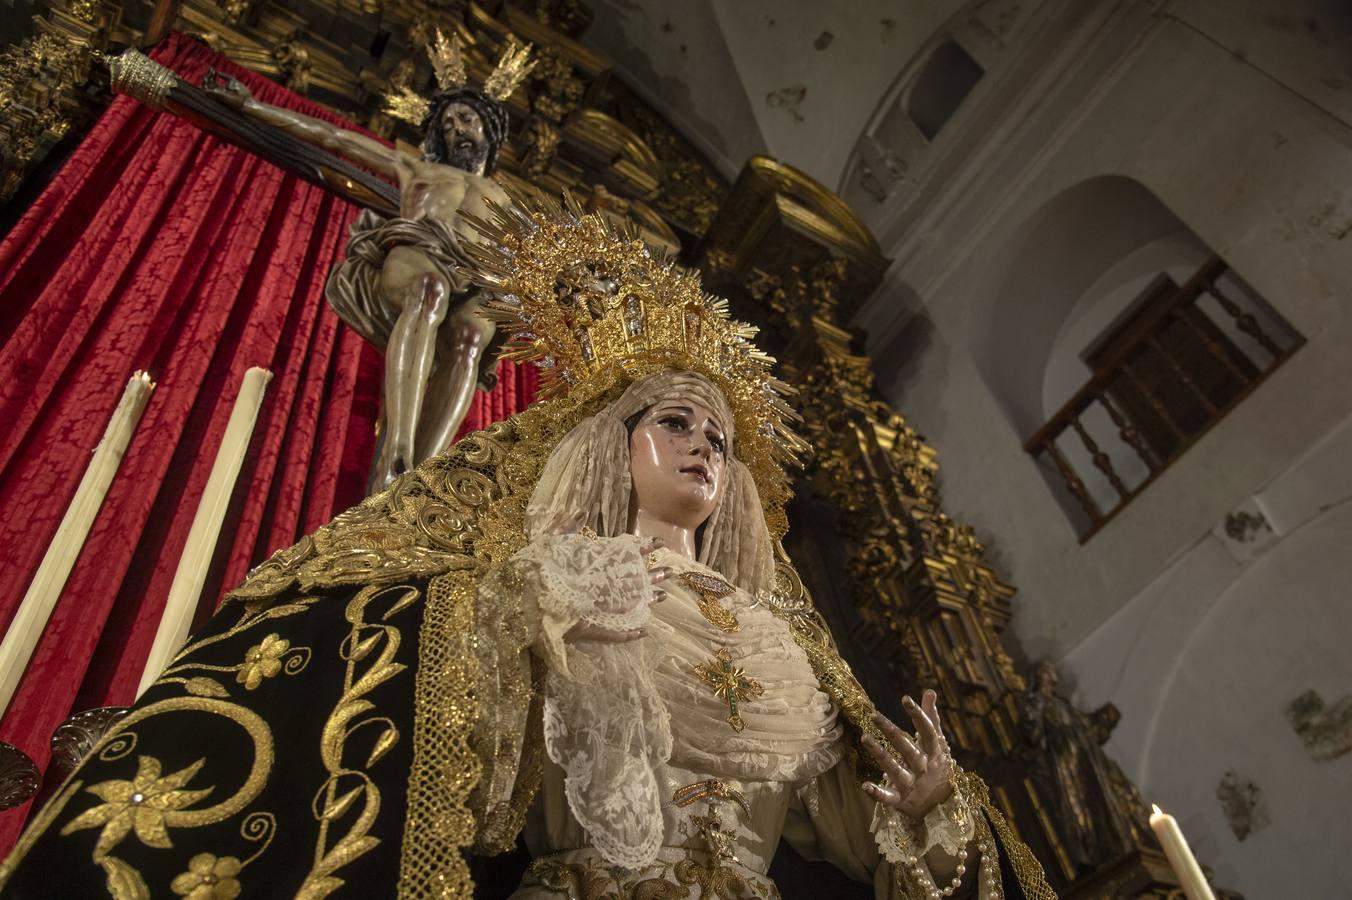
<point x="577" y="624"/>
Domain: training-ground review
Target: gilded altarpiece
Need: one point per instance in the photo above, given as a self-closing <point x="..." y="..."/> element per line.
<point x="908" y="590"/>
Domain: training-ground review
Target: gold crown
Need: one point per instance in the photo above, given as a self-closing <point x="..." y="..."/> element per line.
<point x="408" y="105"/>
<point x="513" y="66"/>
<point x="591" y="304"/>
<point x="448" y="63"/>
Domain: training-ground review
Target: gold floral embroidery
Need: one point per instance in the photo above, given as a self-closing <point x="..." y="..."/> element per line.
<point x="716" y="881"/>
<point x="124" y="882"/>
<point x="262" y="661"/>
<point x="151" y="805"/>
<point x="659" y="881"/>
<point x="138" y="805"/>
<point x="209" y="878"/>
<point x="253" y="615"/>
<point x="252" y="723"/>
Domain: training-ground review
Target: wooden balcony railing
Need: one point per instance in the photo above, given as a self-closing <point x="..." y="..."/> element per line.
<point x="1160" y="382"/>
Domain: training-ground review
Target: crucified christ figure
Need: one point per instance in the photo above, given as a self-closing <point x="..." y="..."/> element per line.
<point x="401" y="285"/>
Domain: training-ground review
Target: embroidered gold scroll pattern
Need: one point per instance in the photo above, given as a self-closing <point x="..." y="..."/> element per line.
<point x="150" y="803"/>
<point x="271" y="656"/>
<point x="347" y="786"/>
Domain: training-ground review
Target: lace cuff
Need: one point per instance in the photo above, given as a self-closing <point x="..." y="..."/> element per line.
<point x="903" y="840"/>
<point x="567" y="579"/>
<point x="604" y="723"/>
<point x="966" y="821"/>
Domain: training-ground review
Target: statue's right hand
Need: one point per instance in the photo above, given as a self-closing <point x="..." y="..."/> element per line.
<point x="226" y="89"/>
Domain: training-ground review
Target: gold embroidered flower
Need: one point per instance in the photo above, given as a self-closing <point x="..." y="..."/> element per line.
<point x="262" y="661"/>
<point x="138" y="805"/>
<point x="208" y="878"/>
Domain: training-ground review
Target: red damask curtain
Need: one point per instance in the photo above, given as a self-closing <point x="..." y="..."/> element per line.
<point x="158" y="247"/>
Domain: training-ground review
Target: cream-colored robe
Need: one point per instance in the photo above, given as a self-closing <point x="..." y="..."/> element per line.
<point x="627" y="725"/>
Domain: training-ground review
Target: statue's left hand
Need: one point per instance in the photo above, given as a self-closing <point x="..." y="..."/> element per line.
<point x="227" y="89"/>
<point x="919" y="779"/>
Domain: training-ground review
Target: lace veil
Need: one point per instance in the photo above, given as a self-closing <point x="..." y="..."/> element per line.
<point x="588" y="473"/>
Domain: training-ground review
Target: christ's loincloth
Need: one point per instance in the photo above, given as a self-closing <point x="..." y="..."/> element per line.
<point x="353" y="289"/>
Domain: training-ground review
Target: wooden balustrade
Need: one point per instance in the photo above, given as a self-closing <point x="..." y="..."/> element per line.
<point x="1161" y="381"/>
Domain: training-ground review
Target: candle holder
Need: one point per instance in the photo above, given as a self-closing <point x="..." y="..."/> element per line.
<point x="19" y="777"/>
<point x="74" y="738"/>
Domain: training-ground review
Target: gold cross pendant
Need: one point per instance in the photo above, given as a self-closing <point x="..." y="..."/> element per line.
<point x="730" y="683"/>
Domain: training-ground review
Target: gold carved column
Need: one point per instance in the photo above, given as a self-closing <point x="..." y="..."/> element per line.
<point x="791" y="254"/>
<point x="906" y="588"/>
<point x="44" y="91"/>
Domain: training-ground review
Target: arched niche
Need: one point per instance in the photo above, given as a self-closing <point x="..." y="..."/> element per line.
<point x="1115" y="338"/>
<point x="1177" y="255"/>
<point x="1058" y="254"/>
<point x="922" y="101"/>
<point x="934" y="91"/>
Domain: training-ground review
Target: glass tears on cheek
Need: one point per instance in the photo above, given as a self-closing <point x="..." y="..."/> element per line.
<point x="663" y="445"/>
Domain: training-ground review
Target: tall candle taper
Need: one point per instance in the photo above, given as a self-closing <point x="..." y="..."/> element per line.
<point x="23" y="634"/>
<point x="1190" y="875"/>
<point x="193" y="565"/>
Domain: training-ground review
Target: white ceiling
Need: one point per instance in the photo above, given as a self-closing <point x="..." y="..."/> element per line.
<point x="727" y="71"/>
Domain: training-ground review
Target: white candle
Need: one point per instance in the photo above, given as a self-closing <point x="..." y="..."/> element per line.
<point x="26" y="629"/>
<point x="191" y="575"/>
<point x="1190" y="875"/>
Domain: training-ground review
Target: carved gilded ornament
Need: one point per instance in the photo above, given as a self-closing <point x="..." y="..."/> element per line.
<point x="19" y="777"/>
<point x="39" y="80"/>
<point x="541" y="140"/>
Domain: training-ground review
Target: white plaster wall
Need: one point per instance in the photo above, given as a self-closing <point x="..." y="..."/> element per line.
<point x="1203" y="663"/>
<point x="1196" y="128"/>
<point x="773" y="44"/>
<point x="711" y="64"/>
<point x="1200" y="651"/>
<point x="1304" y="44"/>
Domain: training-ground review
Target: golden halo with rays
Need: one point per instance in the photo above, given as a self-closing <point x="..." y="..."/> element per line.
<point x="592" y="305"/>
